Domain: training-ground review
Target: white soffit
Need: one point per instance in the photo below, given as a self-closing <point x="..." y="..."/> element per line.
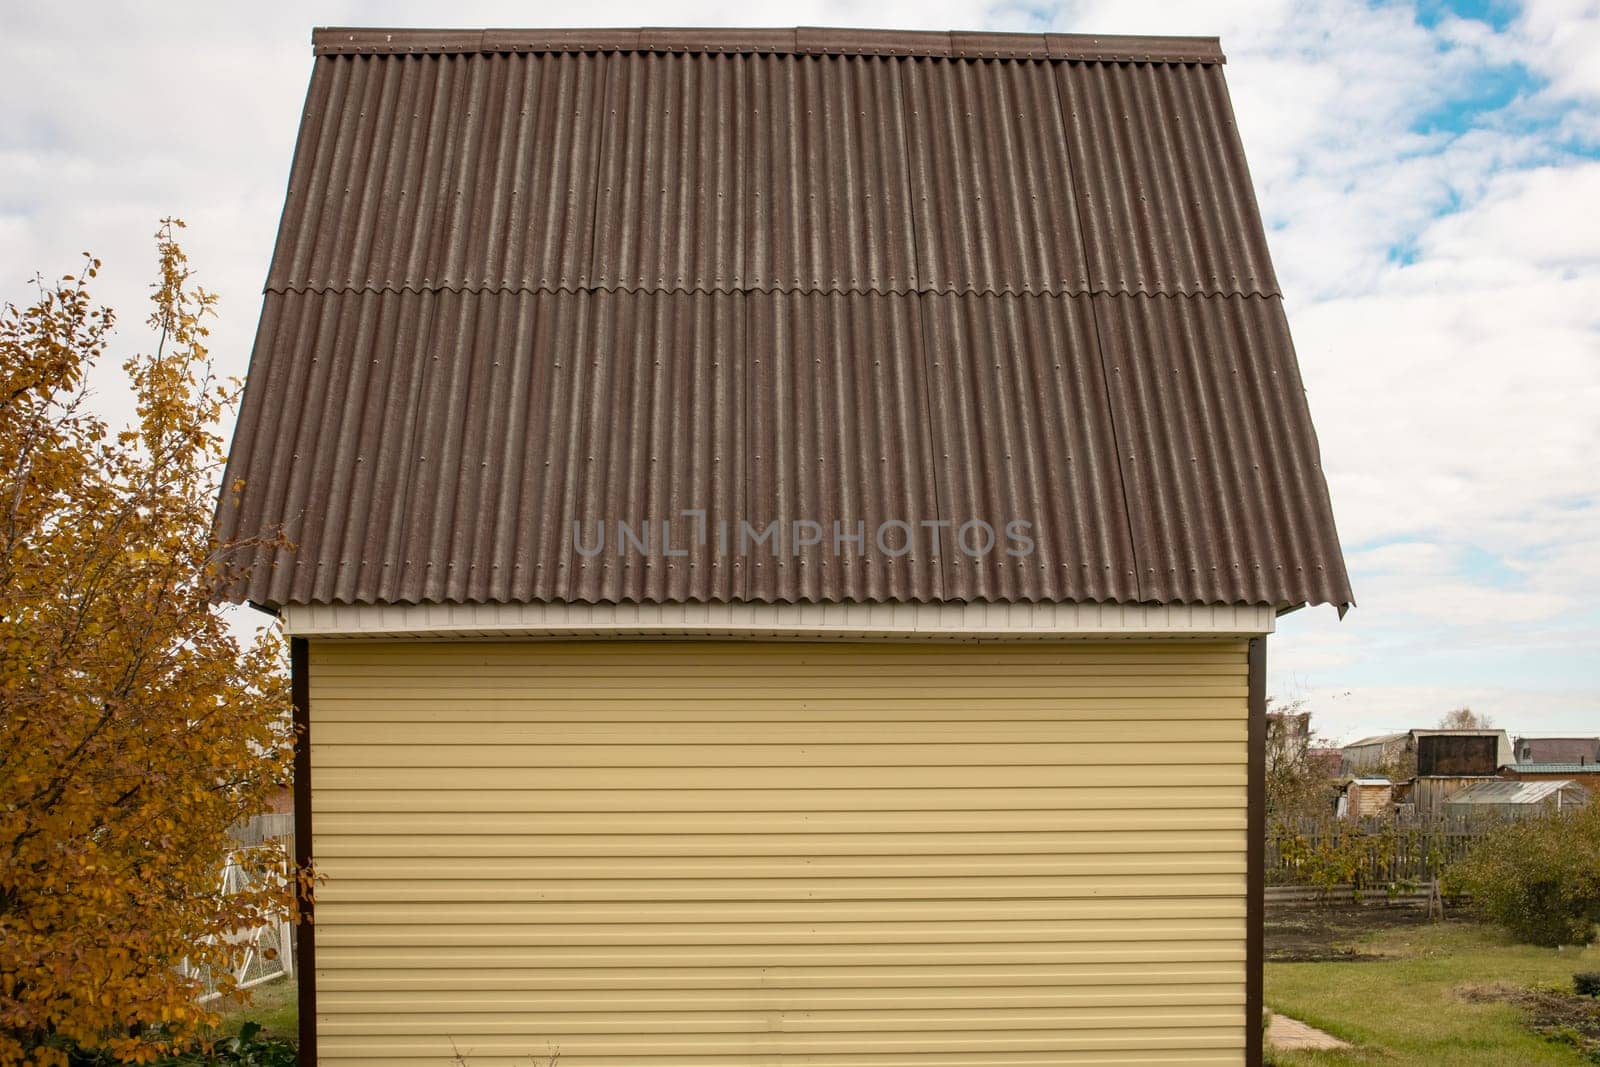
<point x="813" y="621"/>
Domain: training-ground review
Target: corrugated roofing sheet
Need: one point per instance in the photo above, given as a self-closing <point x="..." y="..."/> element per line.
<point x="1504" y="792"/>
<point x="1163" y="189"/>
<point x="527" y="279"/>
<point x="1379" y="739"/>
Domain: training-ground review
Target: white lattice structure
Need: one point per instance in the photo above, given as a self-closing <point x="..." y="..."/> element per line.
<point x="263" y="953"/>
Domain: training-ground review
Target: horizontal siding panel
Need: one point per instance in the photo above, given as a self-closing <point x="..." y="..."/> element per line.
<point x="885" y="675"/>
<point x="497" y="789"/>
<point x="1102" y="762"/>
<point x="949" y="803"/>
<point x="927" y="957"/>
<point x="375" y="970"/>
<point x="689" y="937"/>
<point x="958" y="860"/>
<point x="722" y="657"/>
<point x="513" y="707"/>
<point x="606" y="1026"/>
<point x="1149" y="880"/>
<point x="598" y="837"/>
<point x="925" y="740"/>
<point x="1100" y="1058"/>
<point x="551" y="1003"/>
<point x="648" y="1044"/>
<point x="372" y="971"/>
<point x="752" y="693"/>
<point x="1214" y="851"/>
<point x="1095" y="1058"/>
<point x="754" y="919"/>
<point x="995" y="808"/>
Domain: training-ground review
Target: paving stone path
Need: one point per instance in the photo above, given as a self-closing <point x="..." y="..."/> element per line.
<point x="1289" y="1034"/>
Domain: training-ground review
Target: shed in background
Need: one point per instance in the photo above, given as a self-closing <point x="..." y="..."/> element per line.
<point x="1461" y="752"/>
<point x="1380" y="750"/>
<point x="1366" y="798"/>
<point x="1516" y="799"/>
<point x="1586" y="774"/>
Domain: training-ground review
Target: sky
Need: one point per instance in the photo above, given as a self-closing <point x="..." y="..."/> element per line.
<point x="1430" y="179"/>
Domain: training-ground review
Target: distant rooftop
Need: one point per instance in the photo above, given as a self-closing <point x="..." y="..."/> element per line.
<point x="1558" y="749"/>
<point x="1503" y="792"/>
<point x="1378" y="739"/>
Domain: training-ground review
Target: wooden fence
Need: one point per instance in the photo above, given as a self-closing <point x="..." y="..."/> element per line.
<point x="1398" y="853"/>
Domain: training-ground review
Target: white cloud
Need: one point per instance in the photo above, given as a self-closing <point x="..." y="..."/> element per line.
<point x="1561" y="38"/>
<point x="1345" y="715"/>
<point x="1455" y="385"/>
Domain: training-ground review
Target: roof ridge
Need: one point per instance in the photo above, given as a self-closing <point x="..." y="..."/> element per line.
<point x="1194" y="293"/>
<point x="800" y="40"/>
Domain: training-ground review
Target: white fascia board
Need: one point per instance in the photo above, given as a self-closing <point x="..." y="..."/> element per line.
<point x="766" y="621"/>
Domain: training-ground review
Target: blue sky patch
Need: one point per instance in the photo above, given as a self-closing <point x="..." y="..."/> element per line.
<point x="1483" y="102"/>
<point x="1498" y="14"/>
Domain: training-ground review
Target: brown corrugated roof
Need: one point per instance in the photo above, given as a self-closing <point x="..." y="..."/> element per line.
<point x="531" y="278"/>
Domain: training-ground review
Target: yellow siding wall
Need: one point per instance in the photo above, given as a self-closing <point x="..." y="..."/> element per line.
<point x="730" y="854"/>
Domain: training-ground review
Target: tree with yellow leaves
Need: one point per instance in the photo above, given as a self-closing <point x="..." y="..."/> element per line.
<point x="135" y="726"/>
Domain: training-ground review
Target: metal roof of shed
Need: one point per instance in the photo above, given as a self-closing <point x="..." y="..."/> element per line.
<point x="1555" y="768"/>
<point x="531" y="278"/>
<point x="1508" y="792"/>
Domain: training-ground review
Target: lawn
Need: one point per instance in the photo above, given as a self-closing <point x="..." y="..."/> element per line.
<point x="1407" y="998"/>
<point x="272" y="1005"/>
<point x="1422" y="1000"/>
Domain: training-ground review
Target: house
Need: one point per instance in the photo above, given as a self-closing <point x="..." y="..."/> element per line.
<point x="1516" y="799"/>
<point x="779" y="530"/>
<point x="1430" y="752"/>
<point x="1325" y="761"/>
<point x="1582" y="750"/>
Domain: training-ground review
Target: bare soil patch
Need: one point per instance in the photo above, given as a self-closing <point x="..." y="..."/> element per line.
<point x="1326" y="932"/>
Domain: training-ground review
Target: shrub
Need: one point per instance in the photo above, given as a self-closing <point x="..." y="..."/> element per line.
<point x="1586" y="983"/>
<point x="1538" y="877"/>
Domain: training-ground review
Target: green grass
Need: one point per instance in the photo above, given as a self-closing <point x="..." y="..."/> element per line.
<point x="1400" y="1011"/>
<point x="1406" y="1010"/>
<point x="272" y="1005"/>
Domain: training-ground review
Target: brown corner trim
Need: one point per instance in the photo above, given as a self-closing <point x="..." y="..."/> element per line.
<point x="1256" y="855"/>
<point x="305" y="941"/>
